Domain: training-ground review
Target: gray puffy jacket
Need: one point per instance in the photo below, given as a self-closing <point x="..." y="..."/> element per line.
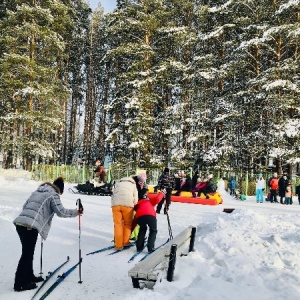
<point x="40" y="208"/>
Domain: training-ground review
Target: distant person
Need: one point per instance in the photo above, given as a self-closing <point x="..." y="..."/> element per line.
<point x="282" y="185"/>
<point x="298" y="192"/>
<point x="100" y="173"/>
<point x="199" y="188"/>
<point x="140" y="182"/>
<point x="177" y="181"/>
<point x="166" y="182"/>
<point x="232" y="186"/>
<point x="123" y="200"/>
<point x="260" y="186"/>
<point x="35" y="218"/>
<point x="273" y="185"/>
<point x="288" y="194"/>
<point x="186" y="185"/>
<point x="195" y="178"/>
<point x="210" y="186"/>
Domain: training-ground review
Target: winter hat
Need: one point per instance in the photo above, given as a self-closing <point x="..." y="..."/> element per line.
<point x="260" y="175"/>
<point x="210" y="176"/>
<point x="142" y="177"/>
<point x="59" y="182"/>
<point x="166" y="170"/>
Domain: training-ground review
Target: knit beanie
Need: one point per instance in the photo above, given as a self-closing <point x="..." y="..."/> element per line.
<point x="166" y="170"/>
<point x="59" y="182"/>
<point x="142" y="177"/>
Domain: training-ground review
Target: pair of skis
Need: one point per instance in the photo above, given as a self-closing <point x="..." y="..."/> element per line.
<point x="110" y="248"/>
<point x="58" y="280"/>
<point x="132" y="258"/>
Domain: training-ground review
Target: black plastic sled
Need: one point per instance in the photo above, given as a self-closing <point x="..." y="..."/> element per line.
<point x="89" y="189"/>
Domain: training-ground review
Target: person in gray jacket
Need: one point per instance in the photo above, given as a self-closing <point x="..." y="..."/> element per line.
<point x="35" y="218"/>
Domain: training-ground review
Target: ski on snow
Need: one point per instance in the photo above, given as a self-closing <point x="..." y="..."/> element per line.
<point x="124" y="248"/>
<point x="59" y="280"/>
<point x="132" y="258"/>
<point x="146" y="255"/>
<point x="50" y="274"/>
<point x="102" y="249"/>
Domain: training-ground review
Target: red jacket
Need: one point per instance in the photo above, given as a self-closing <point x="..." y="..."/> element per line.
<point x="274" y="184"/>
<point x="145" y="207"/>
<point x="201" y="185"/>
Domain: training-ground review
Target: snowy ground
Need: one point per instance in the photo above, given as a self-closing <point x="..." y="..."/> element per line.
<point x="252" y="253"/>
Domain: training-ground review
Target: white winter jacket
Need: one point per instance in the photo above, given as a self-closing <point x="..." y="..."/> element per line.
<point x="125" y="193"/>
<point x="40" y="208"/>
<point x="260" y="184"/>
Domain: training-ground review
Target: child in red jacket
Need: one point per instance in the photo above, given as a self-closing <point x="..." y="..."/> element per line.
<point x="146" y="216"/>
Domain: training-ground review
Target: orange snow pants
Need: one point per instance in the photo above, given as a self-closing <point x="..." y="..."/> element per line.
<point x="122" y="217"/>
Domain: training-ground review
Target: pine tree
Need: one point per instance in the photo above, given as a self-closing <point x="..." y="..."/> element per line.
<point x="30" y="87"/>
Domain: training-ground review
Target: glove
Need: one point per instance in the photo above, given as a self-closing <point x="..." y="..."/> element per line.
<point x="164" y="191"/>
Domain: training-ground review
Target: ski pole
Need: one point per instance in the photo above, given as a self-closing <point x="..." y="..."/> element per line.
<point x="80" y="209"/>
<point x="169" y="225"/>
<point x="41" y="258"/>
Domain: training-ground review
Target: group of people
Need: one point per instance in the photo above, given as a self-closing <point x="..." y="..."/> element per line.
<point x="131" y="207"/>
<point x="281" y="186"/>
<point x="185" y="183"/>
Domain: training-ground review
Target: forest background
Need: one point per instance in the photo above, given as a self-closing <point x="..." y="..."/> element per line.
<point x="189" y="84"/>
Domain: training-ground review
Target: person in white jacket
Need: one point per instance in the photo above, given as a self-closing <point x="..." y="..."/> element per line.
<point x="123" y="200"/>
<point x="260" y="186"/>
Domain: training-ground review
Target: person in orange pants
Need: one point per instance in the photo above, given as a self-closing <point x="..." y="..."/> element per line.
<point x="123" y="200"/>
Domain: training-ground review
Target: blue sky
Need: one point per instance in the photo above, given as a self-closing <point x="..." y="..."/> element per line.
<point x="108" y="5"/>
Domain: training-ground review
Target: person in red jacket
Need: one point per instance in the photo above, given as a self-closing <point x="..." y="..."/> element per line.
<point x="273" y="184"/>
<point x="146" y="216"/>
<point x="199" y="188"/>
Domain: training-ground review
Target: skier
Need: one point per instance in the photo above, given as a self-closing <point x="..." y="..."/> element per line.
<point x="146" y="216"/>
<point x="36" y="218"/>
<point x="166" y="182"/>
<point x="123" y="200"/>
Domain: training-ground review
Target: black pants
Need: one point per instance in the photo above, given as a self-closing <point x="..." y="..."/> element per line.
<point x="143" y="222"/>
<point x="28" y="238"/>
<point x="273" y="196"/>
<point x="168" y="201"/>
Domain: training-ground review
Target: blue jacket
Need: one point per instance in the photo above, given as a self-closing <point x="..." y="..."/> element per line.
<point x="232" y="184"/>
